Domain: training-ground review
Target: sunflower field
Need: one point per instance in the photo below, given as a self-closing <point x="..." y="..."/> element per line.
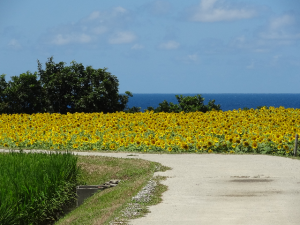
<point x="266" y="131"/>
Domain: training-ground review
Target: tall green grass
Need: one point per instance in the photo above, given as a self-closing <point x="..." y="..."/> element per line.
<point x="35" y="187"/>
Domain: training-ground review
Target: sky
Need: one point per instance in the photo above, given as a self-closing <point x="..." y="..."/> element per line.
<point x="160" y="46"/>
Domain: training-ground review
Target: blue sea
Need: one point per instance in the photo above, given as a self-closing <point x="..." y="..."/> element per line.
<point x="226" y="101"/>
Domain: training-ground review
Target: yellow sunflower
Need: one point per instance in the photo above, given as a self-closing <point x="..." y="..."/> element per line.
<point x="254" y="144"/>
<point x="245" y="143"/>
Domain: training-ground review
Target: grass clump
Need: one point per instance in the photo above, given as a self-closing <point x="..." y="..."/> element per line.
<point x="35" y="187"/>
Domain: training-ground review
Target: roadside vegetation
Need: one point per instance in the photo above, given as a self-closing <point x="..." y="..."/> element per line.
<point x="107" y="205"/>
<point x="34" y="187"/>
<point x="27" y="198"/>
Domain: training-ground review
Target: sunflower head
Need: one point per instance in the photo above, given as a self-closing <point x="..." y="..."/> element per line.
<point x="185" y="146"/>
<point x="286" y="147"/>
<point x="254" y="145"/>
<point x="245" y="143"/>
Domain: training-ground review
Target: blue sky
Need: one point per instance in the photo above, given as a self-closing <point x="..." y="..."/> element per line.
<point x="208" y="46"/>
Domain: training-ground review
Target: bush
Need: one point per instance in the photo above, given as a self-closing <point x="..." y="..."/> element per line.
<point x="134" y="109"/>
<point x="186" y="104"/>
<point x="258" y="107"/>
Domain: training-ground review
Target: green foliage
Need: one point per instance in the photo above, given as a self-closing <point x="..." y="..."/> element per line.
<point x="3" y="99"/>
<point x="186" y="104"/>
<point x="84" y="89"/>
<point x="134" y="109"/>
<point x="258" y="107"/>
<point x="22" y="95"/>
<point x="245" y="108"/>
<point x="35" y="186"/>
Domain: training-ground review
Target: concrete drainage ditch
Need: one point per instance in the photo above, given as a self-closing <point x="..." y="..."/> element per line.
<point x="85" y="191"/>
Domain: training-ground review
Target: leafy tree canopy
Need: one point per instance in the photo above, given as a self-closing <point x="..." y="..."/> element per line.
<point x="83" y="89"/>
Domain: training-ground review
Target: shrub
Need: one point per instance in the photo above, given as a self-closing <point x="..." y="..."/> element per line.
<point x="186" y="104"/>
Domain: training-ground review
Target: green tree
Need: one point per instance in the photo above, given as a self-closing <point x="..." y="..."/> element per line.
<point x="57" y="82"/>
<point x="84" y="90"/>
<point x="21" y="95"/>
<point x="3" y="97"/>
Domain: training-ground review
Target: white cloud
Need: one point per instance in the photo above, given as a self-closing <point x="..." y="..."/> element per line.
<point x="159" y="7"/>
<point x="137" y="47"/>
<point x="95" y="27"/>
<point x="119" y="10"/>
<point x="60" y="39"/>
<point x="193" y="57"/>
<point x="275" y="59"/>
<point x="122" y="38"/>
<point x="239" y="42"/>
<point x="83" y="38"/>
<point x="14" y="44"/>
<point x="278" y="31"/>
<point x="280" y="35"/>
<point x="208" y="12"/>
<point x="102" y="16"/>
<point x="279" y="28"/>
<point x="250" y="66"/>
<point x="94" y="15"/>
<point x="169" y="45"/>
<point x="99" y="30"/>
<point x="189" y="59"/>
<point x="280" y="22"/>
<point x="244" y="43"/>
<point x="260" y="50"/>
